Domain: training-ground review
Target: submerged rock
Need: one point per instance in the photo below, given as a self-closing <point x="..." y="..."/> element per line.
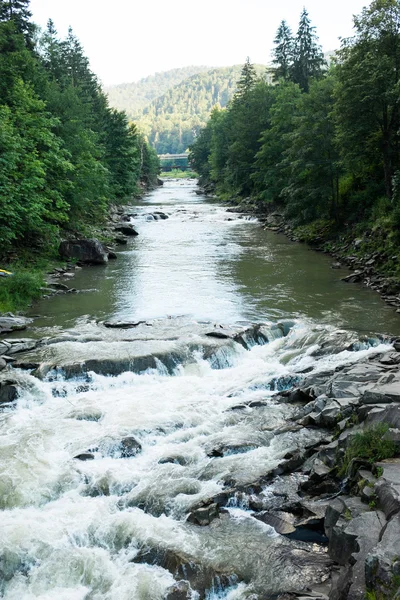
<point x="10" y="323"/>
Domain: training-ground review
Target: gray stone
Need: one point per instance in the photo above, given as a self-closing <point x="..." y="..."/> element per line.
<point x="11" y="323"/>
<point x="126" y="229"/>
<point x="389" y="414"/>
<point x="205" y="515"/>
<point x="130" y="447"/>
<point x="282" y="522"/>
<point x="3" y="364"/>
<point x="382" y="564"/>
<point x="85" y="251"/>
<point x="84" y="456"/>
<point x="382" y="394"/>
<point x="8" y="391"/>
<point x="179" y="591"/>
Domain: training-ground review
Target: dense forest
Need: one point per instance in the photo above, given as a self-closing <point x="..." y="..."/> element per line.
<point x="65" y="155"/>
<point x="321" y="144"/>
<point x="172" y="120"/>
<point x="133" y="97"/>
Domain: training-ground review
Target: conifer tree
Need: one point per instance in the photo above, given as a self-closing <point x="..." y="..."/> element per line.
<point x="17" y="11"/>
<point x="283" y="52"/>
<point x="308" y="59"/>
<point x="248" y="79"/>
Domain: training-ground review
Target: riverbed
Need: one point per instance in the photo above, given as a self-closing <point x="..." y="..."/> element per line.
<point x="123" y="433"/>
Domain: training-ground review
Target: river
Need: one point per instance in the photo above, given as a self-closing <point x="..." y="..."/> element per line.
<point x="115" y="527"/>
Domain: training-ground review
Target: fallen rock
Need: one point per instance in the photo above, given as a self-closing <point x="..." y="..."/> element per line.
<point x="179" y="591"/>
<point x="84" y="456"/>
<point x="85" y="251"/>
<point x="382" y="564"/>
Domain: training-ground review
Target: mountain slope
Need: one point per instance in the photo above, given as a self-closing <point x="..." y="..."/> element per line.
<point x="172" y="120"/>
<point x="132" y="97"/>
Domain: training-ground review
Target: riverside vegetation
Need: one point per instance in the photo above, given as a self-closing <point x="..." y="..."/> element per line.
<point x="319" y="147"/>
<point x="66" y="156"/>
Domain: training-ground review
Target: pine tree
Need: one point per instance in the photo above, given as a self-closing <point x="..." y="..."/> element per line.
<point x="248" y="79"/>
<point x="283" y="52"/>
<point x="308" y="57"/>
<point x="17" y="11"/>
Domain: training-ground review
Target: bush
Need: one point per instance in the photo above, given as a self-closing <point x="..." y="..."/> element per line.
<point x="19" y="290"/>
<point x="368" y="445"/>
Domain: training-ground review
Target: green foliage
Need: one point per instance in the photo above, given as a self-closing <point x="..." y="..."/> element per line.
<point x="19" y="290"/>
<point x="65" y="155"/>
<point x="132" y="98"/>
<point x="368" y="445"/>
<point x="177" y="174"/>
<point x="172" y="121"/>
<point x="283" y="53"/>
<point x="308" y="59"/>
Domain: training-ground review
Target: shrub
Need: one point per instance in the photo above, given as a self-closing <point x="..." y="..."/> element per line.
<point x="19" y="290"/>
<point x="369" y="445"/>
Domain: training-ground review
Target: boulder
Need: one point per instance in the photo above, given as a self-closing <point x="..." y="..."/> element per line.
<point x="382" y="564"/>
<point x="382" y="393"/>
<point x="3" y="364"/>
<point x="181" y="590"/>
<point x="205" y="515"/>
<point x="84" y="456"/>
<point x="85" y="251"/>
<point x="130" y="447"/>
<point x="8" y="391"/>
<point x="126" y="229"/>
<point x="10" y="323"/>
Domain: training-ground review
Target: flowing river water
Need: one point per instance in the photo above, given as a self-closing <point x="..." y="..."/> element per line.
<point x="111" y="527"/>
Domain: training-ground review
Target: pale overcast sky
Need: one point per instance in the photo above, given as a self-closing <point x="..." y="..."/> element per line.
<point x="126" y="40"/>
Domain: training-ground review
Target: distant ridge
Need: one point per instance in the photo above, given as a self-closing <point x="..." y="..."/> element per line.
<point x="132" y="97"/>
<point x="172" y="119"/>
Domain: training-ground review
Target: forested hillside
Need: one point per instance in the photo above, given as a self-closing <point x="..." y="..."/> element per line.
<point x="132" y="97"/>
<point x="65" y="154"/>
<point x="321" y="145"/>
<point x="172" y="120"/>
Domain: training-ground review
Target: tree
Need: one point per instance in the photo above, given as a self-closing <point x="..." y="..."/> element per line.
<point x="312" y="188"/>
<point x="17" y="12"/>
<point x="271" y="171"/>
<point x="283" y="52"/>
<point x="308" y="59"/>
<point x="247" y="81"/>
<point x="367" y="95"/>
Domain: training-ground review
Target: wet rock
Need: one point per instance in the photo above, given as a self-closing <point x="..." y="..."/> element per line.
<point x="22" y="346"/>
<point x="218" y="334"/>
<point x="84" y="456"/>
<point x="3" y="364"/>
<point x="10" y="323"/>
<point x="85" y="251"/>
<point x="176" y="460"/>
<point x="161" y="215"/>
<point x="122" y="324"/>
<point x="201" y="578"/>
<point x="8" y="391"/>
<point x="282" y="522"/>
<point x="130" y="447"/>
<point x="121" y="239"/>
<point x="179" y="591"/>
<point x="205" y="515"/>
<point x="112" y="255"/>
<point x="126" y="229"/>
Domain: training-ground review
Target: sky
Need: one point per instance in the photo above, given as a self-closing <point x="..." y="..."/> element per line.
<point x="126" y="40"/>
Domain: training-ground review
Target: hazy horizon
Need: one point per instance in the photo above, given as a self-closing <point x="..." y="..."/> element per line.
<point x="134" y="41"/>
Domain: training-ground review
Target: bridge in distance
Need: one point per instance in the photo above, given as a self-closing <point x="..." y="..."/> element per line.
<point x="174" y="161"/>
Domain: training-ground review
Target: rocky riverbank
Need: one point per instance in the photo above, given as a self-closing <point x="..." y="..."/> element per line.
<point x="333" y="493"/>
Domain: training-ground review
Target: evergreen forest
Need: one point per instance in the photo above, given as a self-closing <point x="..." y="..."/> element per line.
<point x="65" y="154"/>
<point x="172" y="120"/>
<point x="320" y="144"/>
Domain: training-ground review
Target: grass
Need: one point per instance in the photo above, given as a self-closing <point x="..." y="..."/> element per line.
<point x="178" y="174"/>
<point x="21" y="289"/>
<point x="368" y="445"/>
